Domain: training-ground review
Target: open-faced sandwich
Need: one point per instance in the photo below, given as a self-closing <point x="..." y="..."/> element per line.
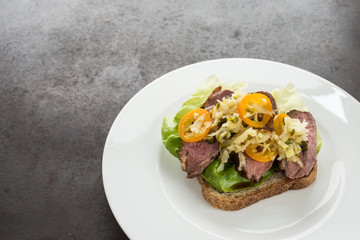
<point x="244" y="146"/>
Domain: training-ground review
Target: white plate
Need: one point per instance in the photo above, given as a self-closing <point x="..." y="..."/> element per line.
<point x="151" y="199"/>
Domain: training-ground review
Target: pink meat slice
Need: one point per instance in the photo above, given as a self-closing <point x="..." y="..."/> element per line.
<point x="196" y="156"/>
<point x="307" y="157"/>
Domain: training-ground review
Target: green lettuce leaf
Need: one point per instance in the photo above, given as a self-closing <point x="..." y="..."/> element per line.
<point x="170" y="136"/>
<point x="318" y="141"/>
<point x="288" y="98"/>
<point x="230" y="180"/>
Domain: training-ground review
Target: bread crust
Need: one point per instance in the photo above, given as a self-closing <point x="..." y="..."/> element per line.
<point x="276" y="184"/>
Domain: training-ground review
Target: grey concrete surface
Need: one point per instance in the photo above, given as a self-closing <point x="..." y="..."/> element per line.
<point x="68" y="67"/>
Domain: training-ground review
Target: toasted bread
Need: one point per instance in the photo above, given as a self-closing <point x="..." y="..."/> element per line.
<point x="276" y="184"/>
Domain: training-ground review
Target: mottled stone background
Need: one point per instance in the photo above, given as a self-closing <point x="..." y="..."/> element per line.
<point x="68" y="67"/>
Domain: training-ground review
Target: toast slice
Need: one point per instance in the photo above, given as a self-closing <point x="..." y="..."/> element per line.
<point x="276" y="184"/>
